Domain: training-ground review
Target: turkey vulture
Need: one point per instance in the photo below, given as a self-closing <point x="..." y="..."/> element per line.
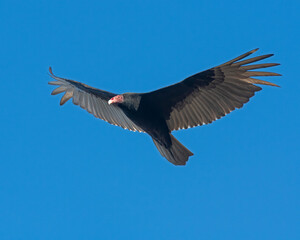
<point x="199" y="99"/>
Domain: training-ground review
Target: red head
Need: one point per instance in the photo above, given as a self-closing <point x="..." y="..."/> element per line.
<point x="116" y="99"/>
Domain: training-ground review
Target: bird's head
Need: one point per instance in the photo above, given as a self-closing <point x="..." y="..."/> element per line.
<point x="126" y="100"/>
<point x="116" y="99"/>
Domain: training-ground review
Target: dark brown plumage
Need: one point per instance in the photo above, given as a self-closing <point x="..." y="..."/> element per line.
<point x="197" y="100"/>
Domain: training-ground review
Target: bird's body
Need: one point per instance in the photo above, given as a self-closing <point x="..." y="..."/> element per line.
<point x="197" y="100"/>
<point x="147" y="117"/>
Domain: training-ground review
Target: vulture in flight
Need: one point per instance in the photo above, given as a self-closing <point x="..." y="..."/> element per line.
<point x="199" y="99"/>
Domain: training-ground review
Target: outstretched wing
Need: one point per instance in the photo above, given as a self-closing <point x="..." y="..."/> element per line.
<point x="211" y="94"/>
<point x="93" y="100"/>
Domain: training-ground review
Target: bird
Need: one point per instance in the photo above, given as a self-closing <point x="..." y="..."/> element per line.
<point x="197" y="100"/>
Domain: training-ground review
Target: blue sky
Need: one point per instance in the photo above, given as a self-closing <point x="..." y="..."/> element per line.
<point x="67" y="175"/>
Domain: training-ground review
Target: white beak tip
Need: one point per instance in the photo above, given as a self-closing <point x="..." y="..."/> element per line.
<point x="109" y="102"/>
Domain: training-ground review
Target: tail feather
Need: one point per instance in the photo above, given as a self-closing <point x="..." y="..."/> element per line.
<point x="176" y="153"/>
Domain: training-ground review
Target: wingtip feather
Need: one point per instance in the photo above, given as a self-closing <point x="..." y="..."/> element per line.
<point x="59" y="90"/>
<point x="50" y="70"/>
<point x="257" y="81"/>
<point x="66" y="97"/>
<point x="54" y="83"/>
<point x="254" y="50"/>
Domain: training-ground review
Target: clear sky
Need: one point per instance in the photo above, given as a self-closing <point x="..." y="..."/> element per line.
<point x="67" y="175"/>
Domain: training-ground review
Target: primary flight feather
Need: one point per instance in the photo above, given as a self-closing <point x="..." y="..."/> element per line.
<point x="199" y="99"/>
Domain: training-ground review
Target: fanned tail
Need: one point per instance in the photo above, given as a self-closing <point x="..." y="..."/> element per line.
<point x="176" y="153"/>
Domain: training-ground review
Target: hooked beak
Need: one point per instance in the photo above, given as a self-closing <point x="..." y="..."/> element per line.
<point x="110" y="101"/>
